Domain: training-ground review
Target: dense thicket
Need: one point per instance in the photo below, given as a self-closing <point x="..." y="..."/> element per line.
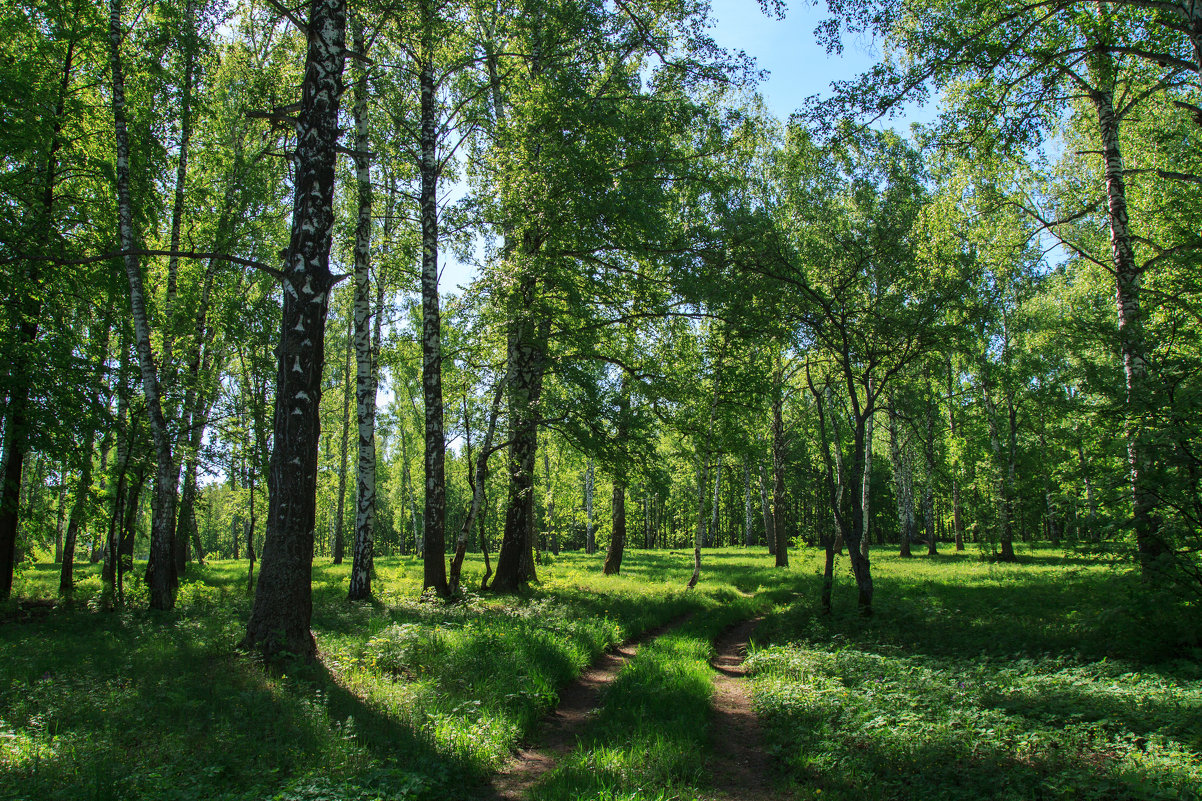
<point x="690" y="325"/>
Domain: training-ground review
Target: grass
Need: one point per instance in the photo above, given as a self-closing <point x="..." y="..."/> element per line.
<point x="412" y="698"/>
<point x="1054" y="678"/>
<point x="1048" y="679"/>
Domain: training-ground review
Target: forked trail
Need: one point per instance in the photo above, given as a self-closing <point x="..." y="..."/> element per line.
<point x="562" y="727"/>
<point x="740" y="768"/>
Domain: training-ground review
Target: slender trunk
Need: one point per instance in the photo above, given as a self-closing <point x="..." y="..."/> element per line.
<point x="778" y="469"/>
<point x="590" y="535"/>
<point x="407" y="491"/>
<point x="283" y="606"/>
<point x="340" y="514"/>
<point x="957" y="518"/>
<point x="928" y="497"/>
<point x="161" y="574"/>
<point x="79" y="515"/>
<point x="866" y="482"/>
<point x="861" y="466"/>
<point x="699" y="534"/>
<point x="902" y="483"/>
<point x="748" y="538"/>
<point x="365" y="379"/>
<point x="766" y="509"/>
<point x="712" y="538"/>
<point x="60" y="512"/>
<point x="481" y="476"/>
<point x="1151" y="547"/>
<point x="434" y="561"/>
<point x="822" y="402"/>
<point x="1001" y="485"/>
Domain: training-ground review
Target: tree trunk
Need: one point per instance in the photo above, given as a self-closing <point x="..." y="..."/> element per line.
<point x="903" y="483"/>
<point x="161" y="574"/>
<point x="748" y="537"/>
<point x="16" y="422"/>
<point x="590" y="536"/>
<point x="79" y="515"/>
<point x="766" y="509"/>
<point x="617" y="543"/>
<point x="1151" y="547"/>
<point x="957" y="519"/>
<point x="778" y="470"/>
<point x="481" y="476"/>
<point x="339" y="545"/>
<point x="1001" y="486"/>
<point x="526" y="354"/>
<point x="434" y="561"/>
<point x="283" y="607"/>
<point x="365" y="378"/>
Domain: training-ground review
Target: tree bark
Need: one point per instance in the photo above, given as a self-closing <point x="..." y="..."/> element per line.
<point x="434" y="574"/>
<point x="748" y="537"/>
<point x="1151" y="548"/>
<point x="161" y="574"/>
<point x="903" y="483"/>
<point x="481" y="473"/>
<point x="778" y="469"/>
<point x="16" y="421"/>
<point x="283" y="607"/>
<point x="526" y="355"/>
<point x="590" y="536"/>
<point x="339" y="544"/>
<point x="365" y="377"/>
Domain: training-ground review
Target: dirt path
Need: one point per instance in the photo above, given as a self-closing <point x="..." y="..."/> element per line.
<point x="562" y="727"/>
<point x="741" y="770"/>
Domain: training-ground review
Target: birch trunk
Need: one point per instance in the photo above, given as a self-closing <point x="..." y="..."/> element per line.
<point x="365" y="379"/>
<point x="161" y="575"/>
<point x="590" y="536"/>
<point x="747" y="517"/>
<point x="339" y="545"/>
<point x="1001" y="485"/>
<point x="766" y="510"/>
<point x="434" y="573"/>
<point x="778" y="470"/>
<point x="957" y="519"/>
<point x="514" y="564"/>
<point x="481" y="473"/>
<point x="711" y="532"/>
<point x="1151" y="548"/>
<point x="283" y="607"/>
<point x="903" y="484"/>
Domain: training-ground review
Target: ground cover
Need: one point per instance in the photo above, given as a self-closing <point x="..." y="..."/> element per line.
<point x="411" y="699"/>
<point x="1053" y="678"/>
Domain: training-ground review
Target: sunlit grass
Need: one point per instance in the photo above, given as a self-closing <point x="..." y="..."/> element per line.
<point x="1053" y="678"/>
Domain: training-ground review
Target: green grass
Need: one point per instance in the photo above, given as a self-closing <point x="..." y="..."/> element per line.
<point x="411" y="698"/>
<point x="1054" y="678"/>
<point x="1048" y="679"/>
<point x="650" y="739"/>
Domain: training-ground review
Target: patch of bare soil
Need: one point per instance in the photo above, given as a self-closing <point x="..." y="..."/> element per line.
<point x="740" y="768"/>
<point x="562" y="727"/>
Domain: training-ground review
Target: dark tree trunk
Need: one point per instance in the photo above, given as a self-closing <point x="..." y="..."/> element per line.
<point x="525" y="385"/>
<point x="283" y="607"/>
<point x="29" y="304"/>
<point x="617" y="543"/>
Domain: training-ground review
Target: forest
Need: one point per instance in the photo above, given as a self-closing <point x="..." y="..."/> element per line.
<point x="883" y="445"/>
